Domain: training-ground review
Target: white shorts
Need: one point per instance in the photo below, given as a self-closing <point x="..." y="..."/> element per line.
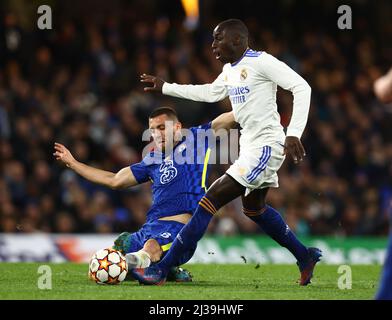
<point x="256" y="168"/>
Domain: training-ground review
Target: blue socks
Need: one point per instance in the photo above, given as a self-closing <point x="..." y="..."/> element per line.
<point x="274" y="226"/>
<point x="385" y="290"/>
<point x="269" y="220"/>
<point x="189" y="235"/>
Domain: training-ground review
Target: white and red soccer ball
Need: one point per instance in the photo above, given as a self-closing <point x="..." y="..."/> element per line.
<point x="108" y="266"/>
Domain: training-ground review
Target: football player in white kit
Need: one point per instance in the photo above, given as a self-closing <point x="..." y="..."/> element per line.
<point x="250" y="79"/>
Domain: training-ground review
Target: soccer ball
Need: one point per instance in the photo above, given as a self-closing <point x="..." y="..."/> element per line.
<point x="108" y="266"/>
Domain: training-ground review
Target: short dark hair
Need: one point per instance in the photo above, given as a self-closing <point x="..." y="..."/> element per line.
<point x="235" y="25"/>
<point x="170" y="112"/>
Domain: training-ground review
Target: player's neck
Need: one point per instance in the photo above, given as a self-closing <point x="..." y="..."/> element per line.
<point x="237" y="59"/>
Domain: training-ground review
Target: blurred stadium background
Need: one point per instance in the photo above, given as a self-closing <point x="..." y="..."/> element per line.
<point x="79" y="84"/>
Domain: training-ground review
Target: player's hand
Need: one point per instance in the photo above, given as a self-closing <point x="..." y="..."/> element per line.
<point x="63" y="154"/>
<point x="294" y="148"/>
<point x="157" y="83"/>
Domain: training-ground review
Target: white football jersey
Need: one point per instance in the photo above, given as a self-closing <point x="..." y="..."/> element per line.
<point x="251" y="84"/>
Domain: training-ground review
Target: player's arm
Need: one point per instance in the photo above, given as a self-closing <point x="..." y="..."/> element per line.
<point x="120" y="180"/>
<point x="383" y="88"/>
<point x="285" y="77"/>
<point x="211" y="92"/>
<point x="223" y="121"/>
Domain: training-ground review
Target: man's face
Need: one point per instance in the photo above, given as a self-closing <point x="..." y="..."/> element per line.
<point x="222" y="45"/>
<point x="165" y="131"/>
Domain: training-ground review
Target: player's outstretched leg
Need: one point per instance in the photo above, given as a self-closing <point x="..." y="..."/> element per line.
<point x="142" y="259"/>
<point x="306" y="267"/>
<point x="273" y="224"/>
<point x="176" y="274"/>
<point x="385" y="290"/>
<point x="189" y="235"/>
<point x="137" y="259"/>
<point x="222" y="191"/>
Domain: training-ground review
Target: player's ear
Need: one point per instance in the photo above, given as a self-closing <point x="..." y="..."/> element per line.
<point x="239" y="41"/>
<point x="178" y="125"/>
<point x="235" y="39"/>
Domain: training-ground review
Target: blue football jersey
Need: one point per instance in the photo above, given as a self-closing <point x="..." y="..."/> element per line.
<point x="176" y="177"/>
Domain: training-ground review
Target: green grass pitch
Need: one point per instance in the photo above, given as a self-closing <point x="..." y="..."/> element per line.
<point x="246" y="281"/>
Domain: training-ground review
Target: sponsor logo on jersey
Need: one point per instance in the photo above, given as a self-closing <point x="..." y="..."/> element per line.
<point x="238" y="94"/>
<point x="169" y="171"/>
<point x="235" y="91"/>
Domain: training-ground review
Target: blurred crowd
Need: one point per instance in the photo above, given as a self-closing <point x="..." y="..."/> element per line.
<point x="78" y="84"/>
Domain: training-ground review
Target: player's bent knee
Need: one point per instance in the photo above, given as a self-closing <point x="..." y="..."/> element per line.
<point x="253" y="212"/>
<point x="211" y="195"/>
<point x="153" y="248"/>
<point x="224" y="190"/>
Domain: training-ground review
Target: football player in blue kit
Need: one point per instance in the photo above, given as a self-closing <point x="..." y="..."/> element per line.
<point x="177" y="169"/>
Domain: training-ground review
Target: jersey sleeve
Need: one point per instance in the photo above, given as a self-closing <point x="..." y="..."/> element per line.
<point x="140" y="171"/>
<point x="285" y="77"/>
<point x="211" y="92"/>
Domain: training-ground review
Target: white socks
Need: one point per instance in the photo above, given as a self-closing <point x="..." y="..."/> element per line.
<point x="140" y="259"/>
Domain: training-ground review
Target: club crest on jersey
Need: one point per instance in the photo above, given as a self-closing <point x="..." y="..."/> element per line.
<point x="242" y="171"/>
<point x="169" y="171"/>
<point x="243" y="74"/>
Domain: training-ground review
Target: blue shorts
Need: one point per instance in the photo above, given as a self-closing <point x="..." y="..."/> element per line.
<point x="164" y="232"/>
